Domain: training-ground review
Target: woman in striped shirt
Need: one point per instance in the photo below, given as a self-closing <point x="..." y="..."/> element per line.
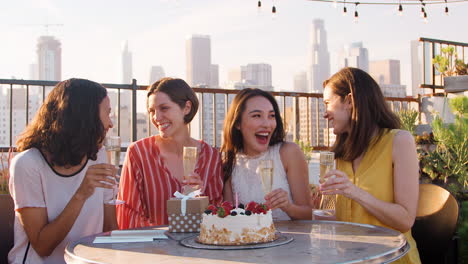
<point x="153" y="169"/>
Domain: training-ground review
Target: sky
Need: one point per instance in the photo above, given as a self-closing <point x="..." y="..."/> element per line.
<point x="93" y="32"/>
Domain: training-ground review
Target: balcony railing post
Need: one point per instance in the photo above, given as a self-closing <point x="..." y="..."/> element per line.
<point x="134" y="110"/>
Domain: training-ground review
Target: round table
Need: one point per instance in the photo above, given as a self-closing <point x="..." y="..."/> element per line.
<point x="314" y="242"/>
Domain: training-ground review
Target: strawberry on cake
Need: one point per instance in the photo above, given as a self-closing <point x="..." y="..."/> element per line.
<point x="225" y="225"/>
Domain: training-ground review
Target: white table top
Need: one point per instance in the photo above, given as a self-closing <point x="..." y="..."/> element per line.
<point x="314" y="242"/>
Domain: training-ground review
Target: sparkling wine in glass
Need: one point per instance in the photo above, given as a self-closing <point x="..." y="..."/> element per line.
<point x="266" y="172"/>
<point x="190" y="156"/>
<point x="112" y="145"/>
<point x="326" y="209"/>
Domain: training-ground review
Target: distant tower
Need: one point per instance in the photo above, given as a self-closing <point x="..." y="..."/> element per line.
<point x="214" y="76"/>
<point x="387" y="74"/>
<point x="198" y="55"/>
<point x="127" y="68"/>
<point x="319" y="57"/>
<point x="156" y="73"/>
<point x="49" y="57"/>
<point x="355" y="56"/>
<point x="300" y="82"/>
<point x="257" y="75"/>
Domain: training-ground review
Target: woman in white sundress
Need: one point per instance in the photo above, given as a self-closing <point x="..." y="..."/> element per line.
<point x="253" y="131"/>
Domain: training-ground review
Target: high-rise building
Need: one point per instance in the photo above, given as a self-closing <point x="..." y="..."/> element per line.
<point x="387" y="74"/>
<point x="156" y="73"/>
<point x="319" y="57"/>
<point x="258" y="75"/>
<point x="416" y="68"/>
<point x="300" y="82"/>
<point x="49" y="58"/>
<point x="354" y="55"/>
<point x="214" y="76"/>
<point x="127" y="65"/>
<point x="198" y="55"/>
<point x="385" y="71"/>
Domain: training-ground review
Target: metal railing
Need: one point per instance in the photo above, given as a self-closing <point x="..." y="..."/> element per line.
<point x="430" y="48"/>
<point x="301" y="112"/>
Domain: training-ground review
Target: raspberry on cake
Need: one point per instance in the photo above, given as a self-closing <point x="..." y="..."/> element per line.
<point x="225" y="225"/>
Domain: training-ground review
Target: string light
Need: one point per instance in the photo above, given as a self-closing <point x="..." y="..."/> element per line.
<point x="423" y="11"/>
<point x="425" y="18"/>
<point x="356" y="15"/>
<point x="259" y="4"/>
<point x="400" y="9"/>
<point x="423" y="4"/>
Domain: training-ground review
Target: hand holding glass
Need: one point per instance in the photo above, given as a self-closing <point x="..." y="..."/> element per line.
<point x="326" y="209"/>
<point x="112" y="145"/>
<point x="190" y="156"/>
<point x="266" y="173"/>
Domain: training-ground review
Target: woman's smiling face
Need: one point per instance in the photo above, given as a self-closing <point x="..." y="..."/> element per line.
<point x="337" y="111"/>
<point x="257" y="125"/>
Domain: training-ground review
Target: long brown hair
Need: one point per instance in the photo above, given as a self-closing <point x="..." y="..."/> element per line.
<point x="179" y="92"/>
<point x="232" y="136"/>
<point x="67" y="125"/>
<point x="370" y="112"/>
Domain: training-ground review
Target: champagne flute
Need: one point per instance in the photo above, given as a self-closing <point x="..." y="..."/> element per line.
<point x="266" y="173"/>
<point x="190" y="155"/>
<point x="112" y="145"/>
<point x="326" y="209"/>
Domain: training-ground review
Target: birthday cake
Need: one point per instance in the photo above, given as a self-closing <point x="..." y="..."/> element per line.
<point x="225" y="225"/>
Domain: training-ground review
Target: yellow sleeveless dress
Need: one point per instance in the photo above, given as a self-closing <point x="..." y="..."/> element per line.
<point x="375" y="176"/>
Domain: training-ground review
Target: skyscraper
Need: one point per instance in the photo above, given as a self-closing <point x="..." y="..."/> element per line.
<point x="156" y="73"/>
<point x="49" y="58"/>
<point x="257" y="75"/>
<point x="198" y="55"/>
<point x="354" y="55"/>
<point x="214" y="76"/>
<point x="319" y="57"/>
<point x="300" y="82"/>
<point x="387" y="74"/>
<point x="127" y="68"/>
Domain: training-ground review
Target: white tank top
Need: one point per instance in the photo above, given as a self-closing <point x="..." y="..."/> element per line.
<point x="247" y="182"/>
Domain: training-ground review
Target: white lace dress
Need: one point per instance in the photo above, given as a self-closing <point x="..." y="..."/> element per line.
<point x="247" y="182"/>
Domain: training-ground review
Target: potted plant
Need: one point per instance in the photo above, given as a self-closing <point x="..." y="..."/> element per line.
<point x="447" y="163"/>
<point x="453" y="70"/>
<point x="408" y="120"/>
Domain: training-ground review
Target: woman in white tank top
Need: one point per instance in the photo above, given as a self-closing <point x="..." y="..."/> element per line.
<point x="253" y="131"/>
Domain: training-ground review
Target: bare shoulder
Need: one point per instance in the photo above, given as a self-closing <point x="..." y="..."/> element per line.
<point x="403" y="141"/>
<point x="290" y="148"/>
<point x="403" y="137"/>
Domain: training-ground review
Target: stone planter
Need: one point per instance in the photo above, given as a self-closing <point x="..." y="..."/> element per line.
<point x="7" y="217"/>
<point x="456" y="84"/>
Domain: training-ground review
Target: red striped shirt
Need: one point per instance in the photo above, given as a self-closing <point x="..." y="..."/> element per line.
<point x="146" y="183"/>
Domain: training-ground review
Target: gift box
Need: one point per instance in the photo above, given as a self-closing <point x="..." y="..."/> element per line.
<point x="188" y="221"/>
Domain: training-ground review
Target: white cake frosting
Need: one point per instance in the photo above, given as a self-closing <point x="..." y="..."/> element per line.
<point x="237" y="230"/>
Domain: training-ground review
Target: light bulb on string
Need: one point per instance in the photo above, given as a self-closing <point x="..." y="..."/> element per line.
<point x="356" y="15"/>
<point x="425" y="18"/>
<point x="446" y="8"/>
<point x="273" y="12"/>
<point x="259" y="4"/>
<point x="400" y="10"/>
<point x="423" y="12"/>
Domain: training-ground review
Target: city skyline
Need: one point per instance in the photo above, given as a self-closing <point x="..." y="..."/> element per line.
<point x="92" y="40"/>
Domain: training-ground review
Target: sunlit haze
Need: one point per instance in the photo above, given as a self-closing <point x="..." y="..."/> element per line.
<point x="93" y="33"/>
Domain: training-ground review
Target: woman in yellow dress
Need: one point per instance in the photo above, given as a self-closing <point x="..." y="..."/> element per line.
<point x="377" y="169"/>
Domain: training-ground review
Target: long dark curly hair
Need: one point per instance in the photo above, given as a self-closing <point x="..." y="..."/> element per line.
<point x="67" y="125"/>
